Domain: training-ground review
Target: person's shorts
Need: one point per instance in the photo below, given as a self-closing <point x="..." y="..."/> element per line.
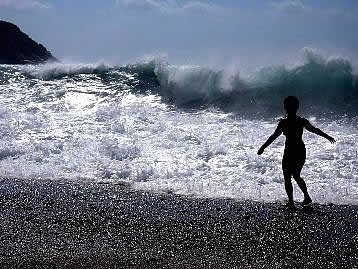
<point x="293" y="160"/>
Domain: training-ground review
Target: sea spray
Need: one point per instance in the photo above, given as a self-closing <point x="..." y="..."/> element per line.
<point x="52" y="71"/>
<point x="322" y="84"/>
<point x="185" y="129"/>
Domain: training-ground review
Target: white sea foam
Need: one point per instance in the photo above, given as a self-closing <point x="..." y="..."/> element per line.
<point x="57" y="70"/>
<point x="205" y="154"/>
<point x="92" y="128"/>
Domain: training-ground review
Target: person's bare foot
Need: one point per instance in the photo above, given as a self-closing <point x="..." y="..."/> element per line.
<point x="307" y="201"/>
<point x="290" y="205"/>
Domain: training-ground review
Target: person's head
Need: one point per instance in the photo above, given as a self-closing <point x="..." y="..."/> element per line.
<point x="291" y="104"/>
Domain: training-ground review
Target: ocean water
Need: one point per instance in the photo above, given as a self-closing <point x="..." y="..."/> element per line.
<point x="184" y="129"/>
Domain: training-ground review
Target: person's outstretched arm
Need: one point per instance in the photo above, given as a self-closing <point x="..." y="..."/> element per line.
<point x="272" y="138"/>
<point x="319" y="132"/>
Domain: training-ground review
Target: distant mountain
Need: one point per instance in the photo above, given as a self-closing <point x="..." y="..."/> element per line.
<point x="18" y="48"/>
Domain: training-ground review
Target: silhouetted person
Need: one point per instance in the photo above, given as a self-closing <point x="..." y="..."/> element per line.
<point x="295" y="152"/>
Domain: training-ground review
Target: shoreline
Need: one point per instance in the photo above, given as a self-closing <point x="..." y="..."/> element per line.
<point x="53" y="224"/>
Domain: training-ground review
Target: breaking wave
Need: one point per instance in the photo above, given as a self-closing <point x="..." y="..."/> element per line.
<point x="161" y="127"/>
<point x="58" y="70"/>
<point x="320" y="83"/>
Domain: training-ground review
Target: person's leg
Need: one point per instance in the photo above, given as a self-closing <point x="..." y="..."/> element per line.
<point x="296" y="173"/>
<point x="288" y="186"/>
<point x="287" y="177"/>
<point x="302" y="184"/>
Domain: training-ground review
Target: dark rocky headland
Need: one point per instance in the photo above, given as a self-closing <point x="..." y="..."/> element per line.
<point x="18" y="48"/>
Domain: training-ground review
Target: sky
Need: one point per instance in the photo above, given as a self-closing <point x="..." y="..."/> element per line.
<point x="206" y="32"/>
